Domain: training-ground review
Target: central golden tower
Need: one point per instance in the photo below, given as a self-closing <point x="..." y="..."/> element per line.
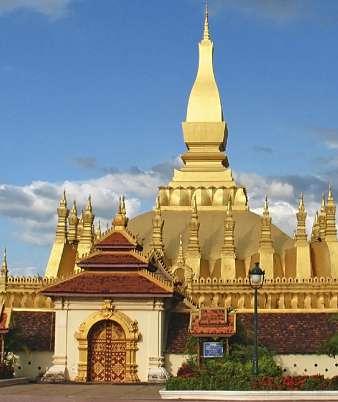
<point x="205" y="175"/>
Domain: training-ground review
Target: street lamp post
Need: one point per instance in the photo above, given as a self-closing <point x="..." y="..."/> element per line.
<point x="256" y="277"/>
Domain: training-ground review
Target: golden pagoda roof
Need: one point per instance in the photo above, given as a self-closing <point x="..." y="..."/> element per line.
<point x="211" y="232"/>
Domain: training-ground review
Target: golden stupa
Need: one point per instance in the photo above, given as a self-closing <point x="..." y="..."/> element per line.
<point x="203" y="230"/>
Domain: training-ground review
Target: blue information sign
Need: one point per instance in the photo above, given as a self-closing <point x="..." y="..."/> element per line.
<point x="212" y="349"/>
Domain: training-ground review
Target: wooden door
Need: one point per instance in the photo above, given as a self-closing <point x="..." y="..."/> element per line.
<point x="106" y="353"/>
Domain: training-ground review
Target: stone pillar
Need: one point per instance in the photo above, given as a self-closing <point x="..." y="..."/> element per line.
<point x="156" y="372"/>
<point x="58" y="372"/>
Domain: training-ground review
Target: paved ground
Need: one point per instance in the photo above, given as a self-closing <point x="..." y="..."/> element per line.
<point x="81" y="393"/>
<point x="78" y="393"/>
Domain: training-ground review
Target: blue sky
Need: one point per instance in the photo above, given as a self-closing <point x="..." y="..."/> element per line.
<point x="93" y="94"/>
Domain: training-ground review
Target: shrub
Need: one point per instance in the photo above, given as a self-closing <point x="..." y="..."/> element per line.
<point x="333" y="383"/>
<point x="330" y="347"/>
<point x="186" y="371"/>
<point x="7" y="367"/>
<point x="295" y="383"/>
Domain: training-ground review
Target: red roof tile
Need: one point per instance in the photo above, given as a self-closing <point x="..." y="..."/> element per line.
<point x="116" y="241"/>
<point x="109" y="283"/>
<point x="209" y="322"/>
<point x="105" y="259"/>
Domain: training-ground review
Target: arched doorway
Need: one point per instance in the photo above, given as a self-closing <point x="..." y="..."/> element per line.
<point x="107" y="347"/>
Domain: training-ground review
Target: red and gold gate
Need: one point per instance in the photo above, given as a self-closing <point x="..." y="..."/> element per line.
<point x="106" y="353"/>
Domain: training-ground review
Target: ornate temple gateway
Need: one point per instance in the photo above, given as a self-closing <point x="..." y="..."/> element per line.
<point x="115" y="306"/>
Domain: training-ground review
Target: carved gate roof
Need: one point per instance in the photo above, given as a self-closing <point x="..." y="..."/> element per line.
<point x="133" y="284"/>
<point x="213" y="322"/>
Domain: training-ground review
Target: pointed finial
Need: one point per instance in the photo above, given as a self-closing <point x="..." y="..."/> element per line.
<point x="301" y="202"/>
<point x="98" y="230"/>
<point x="4" y="268"/>
<point x="123" y="206"/>
<point x="120" y="205"/>
<point x="63" y="201"/>
<point x="322" y="209"/>
<point x="229" y="206"/>
<point x="194" y="204"/>
<point x="206" y="34"/>
<point x="74" y="208"/>
<point x="120" y="220"/>
<point x="180" y="256"/>
<point x="157" y="202"/>
<point x="330" y="195"/>
<point x="89" y="206"/>
<point x="266" y="204"/>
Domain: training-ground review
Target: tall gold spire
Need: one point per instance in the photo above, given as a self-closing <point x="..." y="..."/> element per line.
<point x="205" y="135"/>
<point x="204" y="101"/>
<point x="206" y="34"/>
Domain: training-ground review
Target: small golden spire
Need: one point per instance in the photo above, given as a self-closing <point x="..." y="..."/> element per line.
<point x="73" y="222"/>
<point x="229" y="207"/>
<point x="123" y="205"/>
<point x="89" y="207"/>
<point x="4" y="267"/>
<point x="315" y="228"/>
<point x="98" y="231"/>
<point x="206" y="34"/>
<point x="193" y="244"/>
<point x="180" y="256"/>
<point x="265" y="235"/>
<point x="266" y="206"/>
<point x="158" y="222"/>
<point x="74" y="208"/>
<point x="300" y="235"/>
<point x="194" y="207"/>
<point x="330" y="198"/>
<point x="323" y="204"/>
<point x="330" y="210"/>
<point x="120" y="220"/>
<point x="63" y="200"/>
<point x="301" y="206"/>
<point x="157" y="203"/>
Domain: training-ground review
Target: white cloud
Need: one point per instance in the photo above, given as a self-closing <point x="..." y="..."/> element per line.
<point x="32" y="207"/>
<point x="259" y="186"/>
<point x="51" y="8"/>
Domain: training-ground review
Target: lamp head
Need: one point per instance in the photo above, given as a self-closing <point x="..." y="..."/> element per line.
<point x="256" y="276"/>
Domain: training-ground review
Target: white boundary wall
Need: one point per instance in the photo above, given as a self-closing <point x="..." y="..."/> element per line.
<point x="290" y="364"/>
